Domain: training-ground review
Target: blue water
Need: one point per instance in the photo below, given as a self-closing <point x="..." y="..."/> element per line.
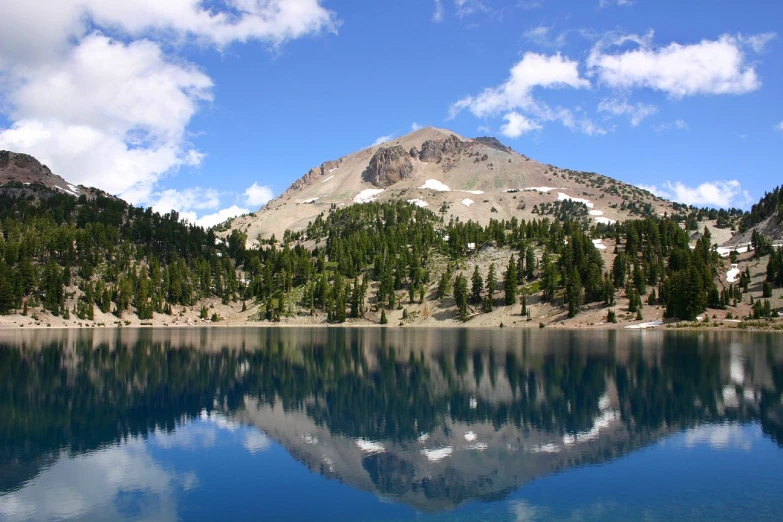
<point x="93" y="431"/>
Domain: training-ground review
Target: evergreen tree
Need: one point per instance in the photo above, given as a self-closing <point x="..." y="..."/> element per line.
<point x="477" y="287"/>
<point x="510" y="283"/>
<point x="461" y="296"/>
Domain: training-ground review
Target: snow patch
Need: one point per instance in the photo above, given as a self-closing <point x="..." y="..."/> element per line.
<point x="598" y="243"/>
<point x="434" y="455"/>
<point x="418" y="202"/>
<point x="540" y="189"/>
<point x="566" y="197"/>
<point x="467" y="202"/>
<point x="434" y="184"/>
<point x="332" y="170"/>
<point x="327" y="179"/>
<point x="367" y="195"/>
<point x="311" y="200"/>
<point x="474" y="192"/>
<point x="644" y="326"/>
<point x="470" y="436"/>
<point x="605" y="221"/>
<point x="596" y="212"/>
<point x="369" y="446"/>
<point x="732" y="276"/>
<point x="740" y="249"/>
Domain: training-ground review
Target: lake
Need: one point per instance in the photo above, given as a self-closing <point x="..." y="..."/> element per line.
<point x="390" y="424"/>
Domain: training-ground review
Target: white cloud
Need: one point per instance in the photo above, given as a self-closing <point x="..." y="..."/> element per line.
<point x="258" y="195"/>
<point x="210" y="220"/>
<point x="542" y="36"/>
<point x="757" y="42"/>
<point x="708" y="67"/>
<point x="26" y="34"/>
<point x="779" y="126"/>
<point x="636" y="112"/>
<point x="194" y="198"/>
<point x="108" y="114"/>
<point x="382" y="139"/>
<point x="534" y="70"/>
<point x="517" y="125"/>
<point x="607" y="3"/>
<point x="468" y="7"/>
<point x="724" y="194"/>
<point x="590" y="128"/>
<point x="113" y="113"/>
<point x="674" y="125"/>
<point x="437" y="16"/>
<point x="415" y="126"/>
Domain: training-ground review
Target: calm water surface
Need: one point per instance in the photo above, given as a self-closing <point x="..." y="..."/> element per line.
<point x="372" y="424"/>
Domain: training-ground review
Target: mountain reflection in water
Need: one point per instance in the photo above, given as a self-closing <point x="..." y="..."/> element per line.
<point x="427" y="418"/>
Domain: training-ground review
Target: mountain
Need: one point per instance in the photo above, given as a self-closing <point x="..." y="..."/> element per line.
<point x="471" y="179"/>
<point x="22" y="169"/>
<point x="427" y="230"/>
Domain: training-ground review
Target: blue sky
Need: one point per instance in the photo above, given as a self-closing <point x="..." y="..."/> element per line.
<point x="211" y="107"/>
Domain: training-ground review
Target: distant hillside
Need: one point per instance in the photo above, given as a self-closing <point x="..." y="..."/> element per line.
<point x="20" y="172"/>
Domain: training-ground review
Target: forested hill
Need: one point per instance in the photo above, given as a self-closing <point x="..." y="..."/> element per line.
<point x="67" y="260"/>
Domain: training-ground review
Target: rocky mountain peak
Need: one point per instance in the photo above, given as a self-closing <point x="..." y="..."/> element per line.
<point x="389" y="165"/>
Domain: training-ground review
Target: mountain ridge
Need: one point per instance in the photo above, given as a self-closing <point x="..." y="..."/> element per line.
<point x="474" y="179"/>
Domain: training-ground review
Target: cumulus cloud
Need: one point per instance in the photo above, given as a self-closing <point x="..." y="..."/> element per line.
<point x="635" y="112"/>
<point x="26" y="35"/>
<point x="514" y="97"/>
<point x="707" y="67"/>
<point x="724" y="194"/>
<point x="258" y="195"/>
<point x="194" y="198"/>
<point x="113" y="112"/>
<point x="108" y="114"/>
<point x="517" y="125"/>
<point x="534" y="70"/>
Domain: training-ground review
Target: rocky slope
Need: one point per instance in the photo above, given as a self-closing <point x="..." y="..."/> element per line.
<point x="470" y="179"/>
<point x="25" y="169"/>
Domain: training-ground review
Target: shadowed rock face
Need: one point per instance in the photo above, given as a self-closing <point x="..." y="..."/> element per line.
<point x="26" y="169"/>
<point x="388" y="166"/>
<point x="495" y="143"/>
<point x="433" y="151"/>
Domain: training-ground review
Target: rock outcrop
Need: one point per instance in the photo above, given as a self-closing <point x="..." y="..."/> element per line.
<point x="388" y="166"/>
<point x="313" y="174"/>
<point x="433" y="151"/>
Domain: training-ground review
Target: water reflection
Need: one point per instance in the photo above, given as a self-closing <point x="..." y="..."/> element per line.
<point x="428" y="418"/>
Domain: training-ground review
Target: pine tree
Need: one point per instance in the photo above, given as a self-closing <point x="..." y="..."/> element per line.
<point x="384" y="320"/>
<point x="477" y="287"/>
<point x="510" y="283"/>
<point x="489" y="302"/>
<point x="461" y="296"/>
